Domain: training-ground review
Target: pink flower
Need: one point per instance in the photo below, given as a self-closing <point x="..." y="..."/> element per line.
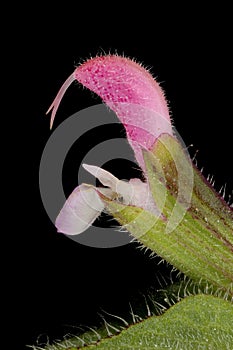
<point x="137" y="99"/>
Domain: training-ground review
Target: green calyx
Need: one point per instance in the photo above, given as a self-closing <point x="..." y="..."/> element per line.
<point x="195" y="229"/>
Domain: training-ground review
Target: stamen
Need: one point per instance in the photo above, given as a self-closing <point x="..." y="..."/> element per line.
<point x="56" y="102"/>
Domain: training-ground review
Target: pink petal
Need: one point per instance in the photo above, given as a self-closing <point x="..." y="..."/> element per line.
<point x="79" y="211"/>
<point x="118" y="79"/>
<point x="130" y="91"/>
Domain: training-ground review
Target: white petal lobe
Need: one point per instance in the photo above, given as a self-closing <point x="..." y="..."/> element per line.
<point x="106" y="178"/>
<point x="135" y="192"/>
<point x="79" y="211"/>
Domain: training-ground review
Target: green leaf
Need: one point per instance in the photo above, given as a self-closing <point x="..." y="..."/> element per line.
<point x="199" y="322"/>
<point x="194" y="232"/>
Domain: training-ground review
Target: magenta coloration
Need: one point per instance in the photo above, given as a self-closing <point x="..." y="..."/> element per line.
<point x="118" y="79"/>
<point x="131" y="92"/>
<point x="138" y="101"/>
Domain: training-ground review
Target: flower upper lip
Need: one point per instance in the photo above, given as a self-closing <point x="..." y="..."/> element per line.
<point x="131" y="92"/>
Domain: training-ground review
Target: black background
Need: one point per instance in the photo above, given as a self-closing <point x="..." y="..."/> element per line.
<point x="55" y="282"/>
